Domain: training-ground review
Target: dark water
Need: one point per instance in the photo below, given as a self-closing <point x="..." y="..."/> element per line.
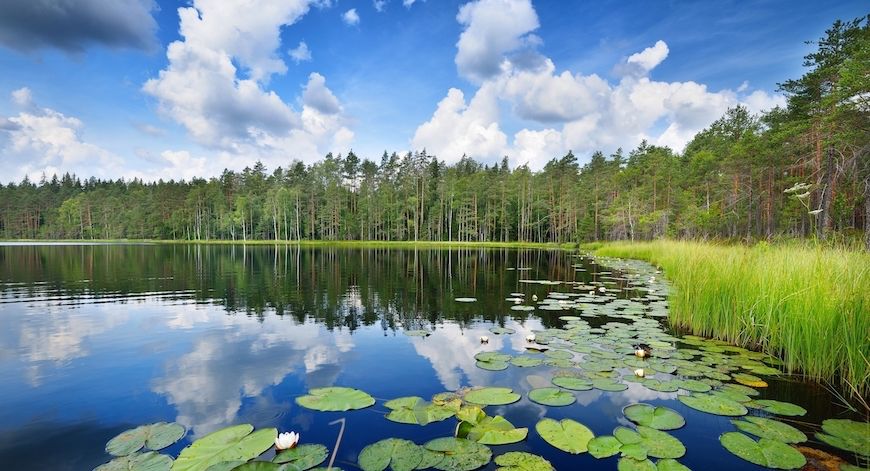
<point x="96" y="339"/>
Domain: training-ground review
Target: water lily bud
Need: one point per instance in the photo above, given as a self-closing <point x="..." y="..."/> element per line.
<point x="530" y="338"/>
<point x="484" y="339"/>
<point x="639" y="372"/>
<point x="286" y="440"/>
<point x="602" y="289"/>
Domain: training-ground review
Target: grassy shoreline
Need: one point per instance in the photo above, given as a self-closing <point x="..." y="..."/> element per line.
<point x="808" y="306"/>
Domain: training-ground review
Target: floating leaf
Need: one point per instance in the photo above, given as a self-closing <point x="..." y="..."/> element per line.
<point x="398" y="454"/>
<point x="551" y="397"/>
<point x="607" y="384"/>
<point x="335" y="399"/>
<point x="492" y="361"/>
<point x="153" y="437"/>
<point x="777" y="407"/>
<point x="522" y="461"/>
<point x="659" y="418"/>
<point x="630" y="464"/>
<point x="526" y="362"/>
<point x="470" y="414"/>
<point x="634" y="450"/>
<point x="749" y="380"/>
<point x="465" y="300"/>
<point x="414" y="410"/>
<point x="671" y="465"/>
<point x="417" y="333"/>
<point x="764" y="452"/>
<point x="559" y="354"/>
<point x="148" y="461"/>
<point x="572" y="383"/>
<point x="604" y="446"/>
<point x="258" y="466"/>
<point x="661" y="386"/>
<point x="492" y="431"/>
<point x="769" y="428"/>
<point x="459" y="454"/>
<point x="846" y="435"/>
<point x="714" y="404"/>
<point x="502" y="330"/>
<point x="492" y="396"/>
<point x="302" y="456"/>
<point x="693" y="385"/>
<point x="657" y="443"/>
<point x="567" y="435"/>
<point x="236" y="443"/>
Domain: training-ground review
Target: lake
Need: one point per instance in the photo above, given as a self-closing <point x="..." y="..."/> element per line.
<point x="97" y="339"/>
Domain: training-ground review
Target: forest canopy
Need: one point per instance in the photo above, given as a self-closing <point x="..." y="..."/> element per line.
<point x="798" y="171"/>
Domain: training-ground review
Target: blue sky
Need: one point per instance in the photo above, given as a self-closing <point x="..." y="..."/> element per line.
<point x="95" y="89"/>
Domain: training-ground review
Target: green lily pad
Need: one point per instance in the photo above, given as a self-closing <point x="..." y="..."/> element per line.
<point x="492" y="431"/>
<point x="846" y="435"/>
<point x="749" y="380"/>
<point x="559" y="354"/>
<point x="417" y="333"/>
<point x="492" y="361"/>
<point x="659" y="418"/>
<point x="572" y="383"/>
<point x="258" y="466"/>
<point x="661" y="385"/>
<point x="465" y="300"/>
<point x="608" y="384"/>
<point x="502" y="330"/>
<point x="567" y="435"/>
<point x="551" y="397"/>
<point x="398" y="454"/>
<point x="470" y="414"/>
<point x="777" y="407"/>
<point x="630" y="464"/>
<point x="604" y="446"/>
<point x="658" y="444"/>
<point x="302" y="456"/>
<point x="764" y="452"/>
<point x="335" y="399"/>
<point x="459" y="454"/>
<point x="714" y="404"/>
<point x="739" y="388"/>
<point x="236" y="443"/>
<point x="414" y="410"/>
<point x="152" y="437"/>
<point x="693" y="385"/>
<point x="148" y="461"/>
<point x="492" y="396"/>
<point x="526" y="362"/>
<point x="768" y="428"/>
<point x="522" y="461"/>
<point x="671" y="465"/>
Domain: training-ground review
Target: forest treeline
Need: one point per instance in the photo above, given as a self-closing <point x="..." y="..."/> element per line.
<point x="798" y="171"/>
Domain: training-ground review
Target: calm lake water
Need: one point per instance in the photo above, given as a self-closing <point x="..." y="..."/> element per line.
<point x="96" y="339"/>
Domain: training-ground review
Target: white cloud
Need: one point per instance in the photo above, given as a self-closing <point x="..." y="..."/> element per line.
<point x="22" y="97"/>
<point x="301" y="53"/>
<point x="351" y="17"/>
<point x="493" y="28"/>
<point x="229" y="109"/>
<point x="562" y="110"/>
<point x="379" y="5"/>
<point x="408" y="3"/>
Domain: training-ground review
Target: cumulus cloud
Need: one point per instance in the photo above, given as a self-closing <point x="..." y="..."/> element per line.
<point x="216" y="86"/>
<point x="493" y="28"/>
<point x="351" y="17"/>
<point x="408" y="3"/>
<point x="22" y="97"/>
<point x="379" y="5"/>
<point x="300" y="53"/>
<point x="73" y="25"/>
<point x="563" y="110"/>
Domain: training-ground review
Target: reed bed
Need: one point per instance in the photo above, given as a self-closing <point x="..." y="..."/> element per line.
<point x="809" y="306"/>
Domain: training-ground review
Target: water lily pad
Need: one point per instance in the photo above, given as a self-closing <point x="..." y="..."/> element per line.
<point x="749" y="380"/>
<point x="492" y="431"/>
<point x="502" y="330"/>
<point x="551" y="397"/>
<point x="659" y="418"/>
<point x="671" y="465"/>
<point x="526" y="361"/>
<point x="661" y="385"/>
<point x="522" y="461"/>
<point x="236" y="443"/>
<point x="630" y="464"/>
<point x="777" y="407"/>
<point x="572" y="383"/>
<point x="714" y="404"/>
<point x="764" y="452"/>
<point x="302" y="456"/>
<point x="604" y="446"/>
<point x="846" y="435"/>
<point x="257" y="466"/>
<point x="414" y="410"/>
<point x="148" y="461"/>
<point x="417" y="333"/>
<point x="398" y="454"/>
<point x="567" y="435"/>
<point x="658" y="444"/>
<point x="559" y="354"/>
<point x="492" y="361"/>
<point x="522" y="307"/>
<point x="634" y="450"/>
<point x="152" y="437"/>
<point x="459" y="454"/>
<point x="335" y="399"/>
<point x="693" y="385"/>
<point x="769" y="428"/>
<point x="465" y="300"/>
<point x="492" y="396"/>
<point x="608" y="384"/>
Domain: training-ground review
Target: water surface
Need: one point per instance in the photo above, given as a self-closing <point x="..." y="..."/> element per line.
<point x="96" y="339"/>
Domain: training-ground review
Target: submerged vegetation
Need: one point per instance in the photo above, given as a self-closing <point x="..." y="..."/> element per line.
<point x="809" y="306"/>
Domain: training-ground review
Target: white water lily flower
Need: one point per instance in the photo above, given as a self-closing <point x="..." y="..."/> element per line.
<point x="534" y="297"/>
<point x="484" y="339"/>
<point x="602" y="289"/>
<point x="639" y="372"/>
<point x="530" y="338"/>
<point x="286" y="440"/>
<point x="640" y="353"/>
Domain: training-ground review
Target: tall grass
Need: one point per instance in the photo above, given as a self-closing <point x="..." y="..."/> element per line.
<point x="810" y="306"/>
